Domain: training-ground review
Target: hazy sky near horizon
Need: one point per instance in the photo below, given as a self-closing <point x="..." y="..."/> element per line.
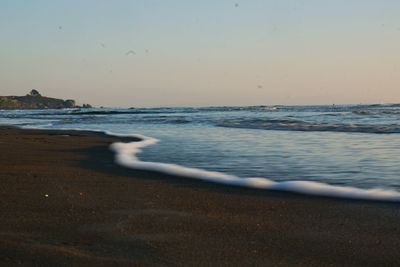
<point x="200" y="53"/>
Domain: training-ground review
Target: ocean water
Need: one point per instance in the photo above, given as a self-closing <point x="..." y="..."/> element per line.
<point x="345" y="151"/>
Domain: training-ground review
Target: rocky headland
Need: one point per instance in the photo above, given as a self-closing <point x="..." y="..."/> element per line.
<point x="34" y="100"/>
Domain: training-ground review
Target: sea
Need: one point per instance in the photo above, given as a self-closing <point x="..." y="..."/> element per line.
<point x="347" y="151"/>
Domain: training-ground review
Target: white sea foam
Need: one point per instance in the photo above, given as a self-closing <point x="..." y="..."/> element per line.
<point x="126" y="155"/>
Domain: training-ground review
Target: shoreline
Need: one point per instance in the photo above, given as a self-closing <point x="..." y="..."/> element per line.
<point x="97" y="212"/>
<point x="128" y="147"/>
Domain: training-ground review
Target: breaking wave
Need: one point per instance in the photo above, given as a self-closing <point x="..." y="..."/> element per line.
<point x="298" y="125"/>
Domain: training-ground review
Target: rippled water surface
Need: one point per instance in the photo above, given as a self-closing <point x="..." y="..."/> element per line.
<point x="342" y="145"/>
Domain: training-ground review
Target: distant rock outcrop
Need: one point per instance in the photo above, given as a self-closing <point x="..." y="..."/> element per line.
<point x="34" y="100"/>
<point x="34" y="92"/>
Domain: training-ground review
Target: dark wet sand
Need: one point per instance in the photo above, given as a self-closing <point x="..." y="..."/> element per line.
<point x="99" y="214"/>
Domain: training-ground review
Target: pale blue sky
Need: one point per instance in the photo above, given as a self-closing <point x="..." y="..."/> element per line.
<point x="202" y="52"/>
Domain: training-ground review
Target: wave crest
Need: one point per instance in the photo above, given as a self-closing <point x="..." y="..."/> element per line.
<point x="298" y="125"/>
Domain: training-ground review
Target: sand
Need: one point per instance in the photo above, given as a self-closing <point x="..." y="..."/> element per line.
<point x="65" y="203"/>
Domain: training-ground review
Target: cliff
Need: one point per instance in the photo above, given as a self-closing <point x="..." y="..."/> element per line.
<point x="35" y="101"/>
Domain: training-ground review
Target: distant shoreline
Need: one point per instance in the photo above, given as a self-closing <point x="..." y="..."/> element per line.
<point x="64" y="201"/>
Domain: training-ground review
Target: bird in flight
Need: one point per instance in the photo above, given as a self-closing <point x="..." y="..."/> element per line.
<point x="130" y="52"/>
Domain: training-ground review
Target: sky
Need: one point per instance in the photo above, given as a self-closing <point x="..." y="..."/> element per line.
<point x="131" y="53"/>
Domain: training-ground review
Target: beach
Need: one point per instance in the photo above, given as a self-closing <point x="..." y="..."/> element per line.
<point x="64" y="202"/>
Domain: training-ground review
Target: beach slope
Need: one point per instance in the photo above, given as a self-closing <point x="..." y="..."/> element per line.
<point x="65" y="203"/>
